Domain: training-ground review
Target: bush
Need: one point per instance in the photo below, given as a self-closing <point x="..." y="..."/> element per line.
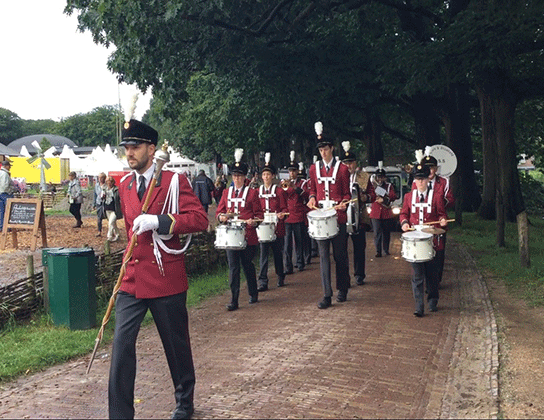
<point x="533" y="192"/>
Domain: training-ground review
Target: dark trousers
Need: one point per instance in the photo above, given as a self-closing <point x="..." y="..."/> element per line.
<point x="293" y="230"/>
<point x="170" y="315"/>
<point x="3" y="203"/>
<point x="75" y="209"/>
<point x="277" y="251"/>
<point x="340" y="254"/>
<point x="425" y="276"/>
<point x="382" y="234"/>
<point x="243" y="257"/>
<point x="359" y="248"/>
<point x="306" y="246"/>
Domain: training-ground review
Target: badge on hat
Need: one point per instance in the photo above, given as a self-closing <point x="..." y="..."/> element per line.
<point x="429" y="160"/>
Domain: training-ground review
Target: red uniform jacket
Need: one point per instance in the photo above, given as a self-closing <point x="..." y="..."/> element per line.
<point x="377" y="211"/>
<point x="276" y="204"/>
<point x="251" y="209"/>
<point x="443" y="186"/>
<point x="297" y="197"/>
<point x="437" y="212"/>
<point x="338" y="191"/>
<point x="142" y="278"/>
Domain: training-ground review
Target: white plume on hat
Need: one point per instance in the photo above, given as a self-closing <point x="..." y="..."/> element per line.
<point x="380" y="164"/>
<point x="346" y="145"/>
<point x="267" y="158"/>
<point x="318" y="126"/>
<point x="428" y="150"/>
<point x="292" y="155"/>
<point x="129" y="112"/>
<point x="238" y="153"/>
<point x="419" y="155"/>
<point x="301" y="166"/>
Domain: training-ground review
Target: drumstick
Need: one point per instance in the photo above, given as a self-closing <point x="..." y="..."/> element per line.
<point x="438" y="221"/>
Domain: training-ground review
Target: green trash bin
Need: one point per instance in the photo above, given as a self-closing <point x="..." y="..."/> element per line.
<point x="45" y="266"/>
<point x="72" y="282"/>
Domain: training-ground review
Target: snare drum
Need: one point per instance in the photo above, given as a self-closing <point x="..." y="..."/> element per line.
<point x="322" y="224"/>
<point x="266" y="232"/>
<point x="270" y="217"/>
<point x="230" y="237"/>
<point x="417" y="246"/>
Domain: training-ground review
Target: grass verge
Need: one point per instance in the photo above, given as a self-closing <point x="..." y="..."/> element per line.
<point x="38" y="344"/>
<point x="503" y="263"/>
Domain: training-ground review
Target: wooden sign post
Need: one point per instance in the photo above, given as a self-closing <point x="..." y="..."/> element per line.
<point x="24" y="213"/>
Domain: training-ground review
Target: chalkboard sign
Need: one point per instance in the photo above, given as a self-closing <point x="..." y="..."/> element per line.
<point x="22" y="213"/>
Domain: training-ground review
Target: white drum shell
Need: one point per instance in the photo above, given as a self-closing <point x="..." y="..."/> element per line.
<point x="270" y="218"/>
<point x="322" y="224"/>
<point x="230" y="237"/>
<point x="266" y="232"/>
<point x="417" y="246"/>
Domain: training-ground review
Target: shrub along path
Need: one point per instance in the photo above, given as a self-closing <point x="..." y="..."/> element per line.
<point x="284" y="358"/>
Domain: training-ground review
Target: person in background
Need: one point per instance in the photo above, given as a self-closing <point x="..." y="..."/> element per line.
<point x="381" y="214"/>
<point x="243" y="201"/>
<point x="7" y="188"/>
<point x="112" y="207"/>
<point x="75" y="198"/>
<point x="97" y="203"/>
<point x="203" y="188"/>
<point x="219" y="186"/>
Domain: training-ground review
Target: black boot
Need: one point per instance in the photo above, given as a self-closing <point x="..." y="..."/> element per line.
<point x="325" y="303"/>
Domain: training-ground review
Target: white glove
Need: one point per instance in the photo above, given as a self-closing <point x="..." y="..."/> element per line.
<point x="145" y="222"/>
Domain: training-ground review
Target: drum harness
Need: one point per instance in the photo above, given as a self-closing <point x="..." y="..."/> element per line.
<point x="236" y="201"/>
<point x="326" y="179"/>
<point x="423" y="207"/>
<point x="267" y="197"/>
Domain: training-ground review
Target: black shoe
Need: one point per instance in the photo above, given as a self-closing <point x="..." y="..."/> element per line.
<point x="378" y="255"/>
<point x="325" y="303"/>
<point x="232" y="306"/>
<point x="314" y="255"/>
<point x="253" y="299"/>
<point x="419" y="314"/>
<point x="262" y="288"/>
<point x="432" y="305"/>
<point x="281" y="282"/>
<point x="360" y="281"/>
<point x="301" y="269"/>
<point x="288" y="272"/>
<point x="342" y="296"/>
<point x="182" y="413"/>
<point x="387" y="253"/>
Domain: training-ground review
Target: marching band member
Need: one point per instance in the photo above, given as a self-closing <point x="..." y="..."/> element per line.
<point x="360" y="186"/>
<point x="421" y="206"/>
<point x="294" y="223"/>
<point x="329" y="182"/>
<point x="273" y="200"/>
<point x="381" y="214"/>
<point x="155" y="277"/>
<point x="243" y="201"/>
<point x="442" y="187"/>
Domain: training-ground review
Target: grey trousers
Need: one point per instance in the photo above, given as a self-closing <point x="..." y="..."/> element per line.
<point x="277" y="251"/>
<point x="382" y="234"/>
<point x="425" y="275"/>
<point x="359" y="248"/>
<point x="243" y="257"/>
<point x="340" y="254"/>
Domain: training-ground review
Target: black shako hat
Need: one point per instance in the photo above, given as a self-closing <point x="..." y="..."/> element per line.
<point x="136" y="132"/>
<point x="421" y="171"/>
<point x="267" y="165"/>
<point x="429" y="161"/>
<point x="347" y="155"/>
<point x="238" y="167"/>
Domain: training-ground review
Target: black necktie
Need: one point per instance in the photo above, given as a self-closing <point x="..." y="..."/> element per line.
<point x="237" y="192"/>
<point x="421" y="198"/>
<point x="430" y="185"/>
<point x="327" y="168"/>
<point x="141" y="188"/>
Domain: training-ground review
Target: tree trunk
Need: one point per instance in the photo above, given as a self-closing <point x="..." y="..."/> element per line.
<point x="427" y="123"/>
<point x="523" y="236"/>
<point x="373" y="138"/>
<point x="456" y="120"/>
<point x="500" y="219"/>
<point x="490" y="164"/>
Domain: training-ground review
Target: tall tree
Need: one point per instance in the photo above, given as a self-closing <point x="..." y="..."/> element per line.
<point x="10" y="126"/>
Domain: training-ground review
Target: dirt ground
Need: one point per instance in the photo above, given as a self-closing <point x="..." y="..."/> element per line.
<point x="520" y="327"/>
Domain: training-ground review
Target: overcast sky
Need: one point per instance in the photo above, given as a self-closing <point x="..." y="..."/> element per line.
<point x="48" y="69"/>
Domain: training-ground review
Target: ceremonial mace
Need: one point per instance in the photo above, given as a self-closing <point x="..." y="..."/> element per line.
<point x="161" y="158"/>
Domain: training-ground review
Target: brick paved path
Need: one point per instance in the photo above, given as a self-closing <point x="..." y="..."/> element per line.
<point x="283" y="358"/>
